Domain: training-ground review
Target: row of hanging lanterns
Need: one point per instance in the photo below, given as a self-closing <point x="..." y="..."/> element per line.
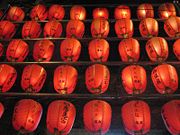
<point x="78" y="12"/>
<point x="97" y="78"/>
<point x="98" y="49"/>
<point x="61" y="114"/>
<point x="99" y="28"/>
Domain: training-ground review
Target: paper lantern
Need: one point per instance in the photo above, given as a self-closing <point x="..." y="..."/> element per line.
<point x="172" y="26"/>
<point x="98" y="50"/>
<point x="26" y="116"/>
<point x="53" y="29"/>
<point x="176" y="48"/>
<point x="15" y="14"/>
<point x="100" y="13"/>
<point x="148" y="28"/>
<point x="8" y="77"/>
<point x="31" y="29"/>
<point x="78" y="12"/>
<point x="157" y="49"/>
<point x="43" y="50"/>
<point x="124" y="28"/>
<point x="1" y="109"/>
<point x="60" y="117"/>
<point x="97" y="116"/>
<point x="122" y="12"/>
<point x="75" y="28"/>
<point x="166" y="10"/>
<point x="38" y="12"/>
<point x="165" y="79"/>
<point x="65" y="79"/>
<point x="33" y="78"/>
<point x="134" y="79"/>
<point x="129" y="50"/>
<point x="70" y="49"/>
<point x="56" y="12"/>
<point x="100" y="28"/>
<point x="145" y="11"/>
<point x="170" y="114"/>
<point x="7" y="30"/>
<point x="97" y="78"/>
<point x="136" y="117"/>
<point x="17" y="50"/>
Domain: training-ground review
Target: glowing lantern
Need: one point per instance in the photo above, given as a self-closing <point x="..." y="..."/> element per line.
<point x="136" y="117"/>
<point x="43" y="50"/>
<point x="26" y="116"/>
<point x="165" y="79"/>
<point x="70" y="49"/>
<point x="134" y="79"/>
<point x="8" y="77"/>
<point x="65" y="79"/>
<point x="17" y="50"/>
<point x="99" y="50"/>
<point x="129" y="50"/>
<point x="97" y="116"/>
<point x="33" y="78"/>
<point x="124" y="28"/>
<point x="97" y="78"/>
<point x="157" y="49"/>
<point x="60" y="117"/>
<point x="170" y="114"/>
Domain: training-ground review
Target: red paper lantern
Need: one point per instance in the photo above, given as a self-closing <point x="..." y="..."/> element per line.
<point x="33" y="78"/>
<point x="166" y="10"/>
<point x="97" y="116"/>
<point x="15" y="14"/>
<point x="97" y="78"/>
<point x="134" y="79"/>
<point x="100" y="28"/>
<point x="70" y="49"/>
<point x="170" y="114"/>
<point x="145" y="11"/>
<point x="148" y="28"/>
<point x="100" y="13"/>
<point x="122" y="12"/>
<point x="99" y="50"/>
<point x="129" y="50"/>
<point x="136" y="117"/>
<point x="1" y="49"/>
<point x="7" y="30"/>
<point x="8" y="77"/>
<point x="38" y="12"/>
<point x="172" y="26"/>
<point x="124" y="28"/>
<point x="60" y="117"/>
<point x="53" y="29"/>
<point x="31" y="29"/>
<point x="176" y="48"/>
<point x="56" y="12"/>
<point x="43" y="50"/>
<point x="26" y="116"/>
<point x="65" y="79"/>
<point x="1" y="109"/>
<point x="17" y="50"/>
<point x="75" y="28"/>
<point x="78" y="12"/>
<point x="157" y="49"/>
<point x="165" y="79"/>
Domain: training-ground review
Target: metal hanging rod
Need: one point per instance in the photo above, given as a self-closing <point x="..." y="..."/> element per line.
<point x="86" y="38"/>
<point x="81" y="63"/>
<point x="87" y="96"/>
